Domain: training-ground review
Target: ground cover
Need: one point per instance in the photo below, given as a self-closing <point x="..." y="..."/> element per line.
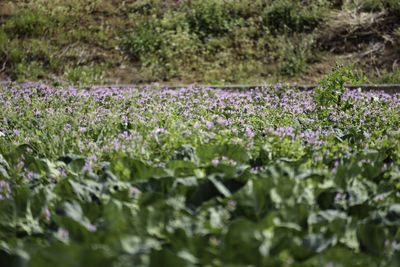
<point x="269" y="177"/>
<point x="207" y="41"/>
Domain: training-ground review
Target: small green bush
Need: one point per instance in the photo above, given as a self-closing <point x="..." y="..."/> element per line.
<point x="84" y="75"/>
<point x="390" y="78"/>
<point x="291" y="16"/>
<point x="207" y="18"/>
<point x="163" y="46"/>
<point x="3" y="46"/>
<point x="144" y="38"/>
<point x="392" y="6"/>
<point x="15" y="53"/>
<point x="295" y="55"/>
<point x="332" y="87"/>
<point x="28" y="24"/>
<point x="12" y="56"/>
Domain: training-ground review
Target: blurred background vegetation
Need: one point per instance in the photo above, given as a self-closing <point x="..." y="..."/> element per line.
<point x="205" y="41"/>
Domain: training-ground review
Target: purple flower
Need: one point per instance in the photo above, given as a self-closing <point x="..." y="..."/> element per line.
<point x="63" y="233"/>
<point x="47" y="214"/>
<point x="21" y="164"/>
<point x="62" y="172"/>
<point x="340" y="196"/>
<point x="215" y="161"/>
<point x="134" y="191"/>
<point x="30" y="175"/>
<point x="87" y="167"/>
<point x="91" y="227"/>
<point x="384" y="167"/>
<point x="5" y="190"/>
<point x="67" y="128"/>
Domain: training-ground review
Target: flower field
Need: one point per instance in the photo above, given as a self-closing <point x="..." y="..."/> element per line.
<point x="198" y="177"/>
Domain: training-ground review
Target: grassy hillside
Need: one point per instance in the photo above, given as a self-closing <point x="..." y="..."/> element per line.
<point x="205" y="41"/>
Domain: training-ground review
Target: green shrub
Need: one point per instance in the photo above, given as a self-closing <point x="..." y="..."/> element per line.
<point x="331" y="88"/>
<point x="244" y="8"/>
<point x="12" y="56"/>
<point x="392" y="6"/>
<point x="28" y="24"/>
<point x="148" y="7"/>
<point x="207" y="18"/>
<point x="84" y="75"/>
<point x="291" y="16"/>
<point x="3" y="46"/>
<point x="163" y="46"/>
<point x="295" y="55"/>
<point x="15" y="53"/>
<point x="144" y="38"/>
<point x="390" y="78"/>
<point x="295" y="64"/>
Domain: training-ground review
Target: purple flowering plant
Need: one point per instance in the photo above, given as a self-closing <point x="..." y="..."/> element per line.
<point x="258" y="177"/>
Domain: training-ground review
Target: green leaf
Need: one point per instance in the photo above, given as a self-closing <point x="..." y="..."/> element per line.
<point x="165" y="257"/>
<point x="371" y="238"/>
<point x="253" y="200"/>
<point x="242" y="243"/>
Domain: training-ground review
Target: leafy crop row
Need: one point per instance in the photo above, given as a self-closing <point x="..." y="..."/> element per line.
<point x="269" y="177"/>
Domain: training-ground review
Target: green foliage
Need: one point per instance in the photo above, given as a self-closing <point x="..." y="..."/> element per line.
<point x="84" y="75"/>
<point x="205" y="41"/>
<point x="331" y="89"/>
<point x="207" y="19"/>
<point x="390" y="78"/>
<point x="198" y="177"/>
<point x="145" y="38"/>
<point x="284" y="17"/>
<point x="295" y="55"/>
<point x="164" y="46"/>
<point x="392" y="6"/>
<point x="22" y="61"/>
<point x="28" y="24"/>
<point x="213" y="34"/>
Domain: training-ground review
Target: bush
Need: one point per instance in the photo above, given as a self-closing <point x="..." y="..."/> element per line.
<point x="164" y="46"/>
<point x="207" y="18"/>
<point x="28" y="24"/>
<point x="295" y="55"/>
<point x="390" y="78"/>
<point x="144" y="38"/>
<point x="392" y="6"/>
<point x="332" y="87"/>
<point x="3" y="47"/>
<point x="290" y="16"/>
<point x="84" y="74"/>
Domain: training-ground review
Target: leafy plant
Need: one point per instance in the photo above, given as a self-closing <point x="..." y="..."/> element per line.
<point x="331" y="88"/>
<point x="28" y="24"/>
<point x="188" y="177"/>
<point x="289" y="16"/>
<point x="84" y="75"/>
<point x="207" y="18"/>
<point x="390" y="78"/>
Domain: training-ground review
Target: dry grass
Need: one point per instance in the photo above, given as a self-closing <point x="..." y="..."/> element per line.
<point x="345" y="30"/>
